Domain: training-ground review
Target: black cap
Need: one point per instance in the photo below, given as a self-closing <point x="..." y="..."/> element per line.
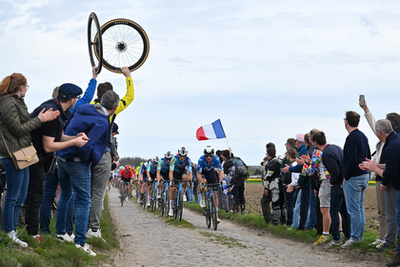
<point x="69" y="90"/>
<point x="114" y="128"/>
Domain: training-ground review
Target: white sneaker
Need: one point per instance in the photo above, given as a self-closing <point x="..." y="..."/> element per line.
<point x="64" y="237"/>
<point x="72" y="236"/>
<point x="348" y="243"/>
<point x="171" y="213"/>
<point x="85" y="248"/>
<point x="15" y="239"/>
<point x="90" y="233"/>
<point x="184" y="198"/>
<point x="378" y="243"/>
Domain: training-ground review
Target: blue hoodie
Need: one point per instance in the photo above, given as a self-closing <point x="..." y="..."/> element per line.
<point x="91" y="120"/>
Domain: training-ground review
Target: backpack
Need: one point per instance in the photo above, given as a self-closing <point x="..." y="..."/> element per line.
<point x="240" y="167"/>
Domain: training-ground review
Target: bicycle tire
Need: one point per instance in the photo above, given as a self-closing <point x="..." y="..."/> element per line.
<point x="208" y="214"/>
<point x="122" y="196"/>
<point x="180" y="206"/>
<point x="95" y="42"/>
<point x="153" y="200"/>
<point x="125" y="43"/>
<point x="167" y="206"/>
<point x="214" y="212"/>
<point x="161" y="204"/>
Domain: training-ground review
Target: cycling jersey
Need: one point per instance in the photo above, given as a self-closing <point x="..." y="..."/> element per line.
<point x="179" y="166"/>
<point x="126" y="174"/>
<point x="209" y="170"/>
<point x="151" y="168"/>
<point x="163" y="167"/>
<point x="143" y="171"/>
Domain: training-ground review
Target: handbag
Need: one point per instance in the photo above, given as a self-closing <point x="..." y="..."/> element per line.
<point x="24" y="157"/>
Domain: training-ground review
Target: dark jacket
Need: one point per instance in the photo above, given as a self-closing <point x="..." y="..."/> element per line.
<point x="53" y="128"/>
<point x="91" y="120"/>
<point x="16" y="124"/>
<point x="332" y="157"/>
<point x="356" y="150"/>
<point x="391" y="157"/>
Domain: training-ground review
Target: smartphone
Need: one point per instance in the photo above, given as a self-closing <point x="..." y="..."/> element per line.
<point x="362" y="100"/>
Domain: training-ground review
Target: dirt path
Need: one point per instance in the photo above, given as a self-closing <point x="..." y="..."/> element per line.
<point x="147" y="240"/>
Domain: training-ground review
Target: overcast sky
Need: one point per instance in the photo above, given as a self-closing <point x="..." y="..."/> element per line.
<point x="267" y="69"/>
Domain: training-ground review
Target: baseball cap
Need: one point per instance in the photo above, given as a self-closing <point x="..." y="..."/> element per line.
<point x="300" y="137"/>
<point x="69" y="90"/>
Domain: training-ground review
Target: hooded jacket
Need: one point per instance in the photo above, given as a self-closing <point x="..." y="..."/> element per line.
<point x="95" y="123"/>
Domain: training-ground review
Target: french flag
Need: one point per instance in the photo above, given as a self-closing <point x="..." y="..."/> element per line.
<point x="211" y="131"/>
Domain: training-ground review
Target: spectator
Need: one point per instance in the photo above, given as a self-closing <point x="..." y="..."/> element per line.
<point x="286" y="180"/>
<point x="386" y="199"/>
<point x="293" y="186"/>
<point x="15" y="126"/>
<point x="332" y="158"/>
<point x="273" y="189"/>
<point x="304" y="198"/>
<point x="389" y="169"/>
<point x="101" y="170"/>
<point x="74" y="164"/>
<point x="237" y="180"/>
<point x="47" y="140"/>
<point x="314" y="164"/>
<point x="356" y="150"/>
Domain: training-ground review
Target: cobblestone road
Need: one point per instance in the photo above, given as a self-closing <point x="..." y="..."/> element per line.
<point x="147" y="240"/>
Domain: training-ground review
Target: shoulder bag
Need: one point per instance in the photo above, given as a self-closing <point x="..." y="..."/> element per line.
<point x="24" y="157"/>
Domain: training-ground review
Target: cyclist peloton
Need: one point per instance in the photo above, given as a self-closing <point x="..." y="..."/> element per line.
<point x="151" y="177"/>
<point x="207" y="168"/>
<point x="180" y="168"/>
<point x="163" y="171"/>
<point x="126" y="177"/>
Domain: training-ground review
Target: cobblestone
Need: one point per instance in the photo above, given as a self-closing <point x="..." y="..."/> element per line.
<point x="147" y="240"/>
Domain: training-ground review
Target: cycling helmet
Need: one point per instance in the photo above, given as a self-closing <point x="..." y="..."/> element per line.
<point x="155" y="160"/>
<point x="168" y="155"/>
<point x="128" y="167"/>
<point x="209" y="150"/>
<point x="183" y="151"/>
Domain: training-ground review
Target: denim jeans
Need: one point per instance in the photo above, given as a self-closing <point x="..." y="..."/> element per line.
<point x="398" y="217"/>
<point x="189" y="193"/>
<point x="74" y="176"/>
<point x="312" y="218"/>
<point x="290" y="199"/>
<point x="304" y="206"/>
<point x="337" y="197"/>
<point x="17" y="189"/>
<point x="354" y="190"/>
<point x="296" y="210"/>
<point x="50" y="189"/>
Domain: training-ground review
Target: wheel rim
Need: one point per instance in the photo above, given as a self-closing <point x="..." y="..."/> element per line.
<point x="95" y="42"/>
<point x="125" y="43"/>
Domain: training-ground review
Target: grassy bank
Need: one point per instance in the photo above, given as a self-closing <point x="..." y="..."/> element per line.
<point x="52" y="252"/>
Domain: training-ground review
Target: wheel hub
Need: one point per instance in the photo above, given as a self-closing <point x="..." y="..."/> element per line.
<point x="121" y="47"/>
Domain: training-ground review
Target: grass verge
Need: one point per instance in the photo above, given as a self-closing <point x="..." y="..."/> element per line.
<point x="52" y="252"/>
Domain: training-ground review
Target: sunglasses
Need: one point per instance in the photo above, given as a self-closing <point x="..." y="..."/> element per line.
<point x="209" y="156"/>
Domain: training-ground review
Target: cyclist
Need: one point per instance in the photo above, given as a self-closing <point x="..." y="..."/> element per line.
<point x="126" y="176"/>
<point x="132" y="180"/>
<point x="207" y="169"/>
<point x="151" y="177"/>
<point x="142" y="180"/>
<point x="180" y="168"/>
<point x="162" y="171"/>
